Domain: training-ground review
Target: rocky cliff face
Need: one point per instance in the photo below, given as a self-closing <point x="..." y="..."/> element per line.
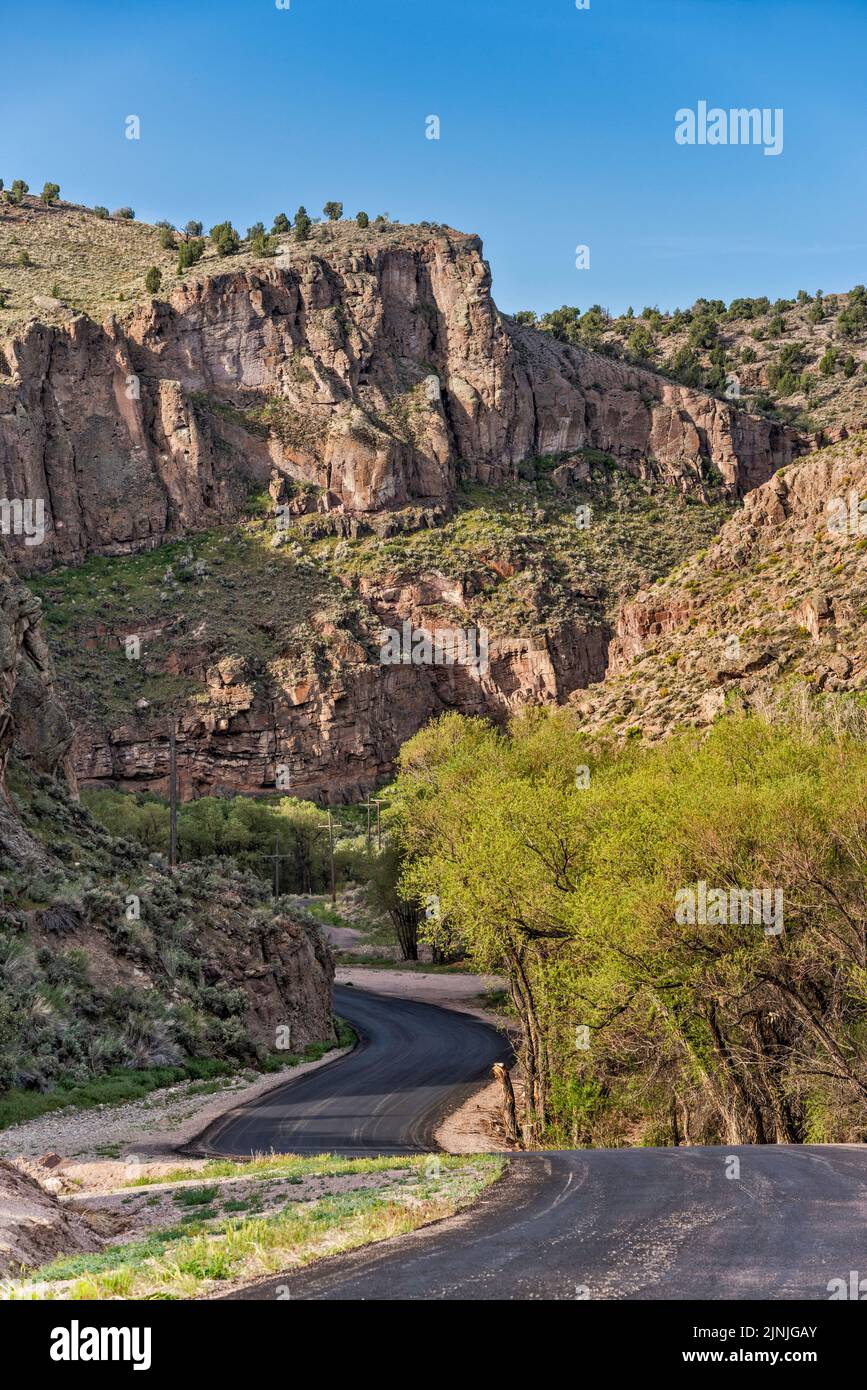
<point x="335" y="733"/>
<point x="373" y="373"/>
<point x="31" y="713"/>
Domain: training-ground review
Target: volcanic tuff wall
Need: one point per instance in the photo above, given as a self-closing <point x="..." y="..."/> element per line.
<point x="382" y="373"/>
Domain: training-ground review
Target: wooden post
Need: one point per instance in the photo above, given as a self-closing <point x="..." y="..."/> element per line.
<point x="173" y="796"/>
<point x="510" y="1123"/>
<point x="368" y="822"/>
<point x="378" y="826"/>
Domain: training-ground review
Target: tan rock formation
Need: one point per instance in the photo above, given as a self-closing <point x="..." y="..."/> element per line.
<point x="34" y="1226"/>
<point x="371" y="375"/>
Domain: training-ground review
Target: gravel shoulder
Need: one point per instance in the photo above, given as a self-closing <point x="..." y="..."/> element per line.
<point x="462" y="992"/>
<point x="201" y="1236"/>
<point x="108" y="1145"/>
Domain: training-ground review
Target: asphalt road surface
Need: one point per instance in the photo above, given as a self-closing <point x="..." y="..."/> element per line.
<point x="588" y="1224"/>
<point x="414" y="1064"/>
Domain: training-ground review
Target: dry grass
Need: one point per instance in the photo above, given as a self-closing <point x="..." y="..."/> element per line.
<point x="99" y="265"/>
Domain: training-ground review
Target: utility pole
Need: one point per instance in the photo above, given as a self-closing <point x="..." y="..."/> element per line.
<point x="331" y="857"/>
<point x="377" y="802"/>
<point x="173" y="795"/>
<point x="277" y="856"/>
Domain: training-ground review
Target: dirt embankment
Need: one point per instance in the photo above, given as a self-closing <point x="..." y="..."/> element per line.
<point x="34" y="1227"/>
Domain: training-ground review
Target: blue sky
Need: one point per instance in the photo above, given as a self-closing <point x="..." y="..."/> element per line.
<point x="557" y="128"/>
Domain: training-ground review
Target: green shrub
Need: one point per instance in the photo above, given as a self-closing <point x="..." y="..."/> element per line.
<point x="225" y="238"/>
<point x="828" y="363"/>
<point x="189" y="252"/>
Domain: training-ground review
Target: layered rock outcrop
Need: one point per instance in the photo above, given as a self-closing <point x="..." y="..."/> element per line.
<point x="777" y="603"/>
<point x="376" y="375"/>
<point x="336" y="732"/>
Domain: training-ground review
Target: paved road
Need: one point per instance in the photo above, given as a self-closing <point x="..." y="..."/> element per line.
<point x="415" y="1063"/>
<point x="626" y="1224"/>
<point x="598" y="1224"/>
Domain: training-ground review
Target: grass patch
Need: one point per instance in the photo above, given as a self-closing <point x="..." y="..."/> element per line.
<point x="195" y="1196"/>
<point x="181" y="1262"/>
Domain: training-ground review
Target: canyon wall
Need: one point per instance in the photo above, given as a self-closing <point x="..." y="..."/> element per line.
<point x="378" y="376"/>
<point x="336" y="733"/>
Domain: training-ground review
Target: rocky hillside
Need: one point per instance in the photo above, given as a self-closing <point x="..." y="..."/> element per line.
<point x="800" y="360"/>
<point x="31" y="714"/>
<point x="265" y="641"/>
<point x="107" y="960"/>
<point x="362" y="371"/>
<point x="774" y="607"/>
<point x="292" y="447"/>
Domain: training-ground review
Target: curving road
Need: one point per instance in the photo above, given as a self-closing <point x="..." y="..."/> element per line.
<point x="414" y="1064"/>
<point x="665" y="1224"/>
